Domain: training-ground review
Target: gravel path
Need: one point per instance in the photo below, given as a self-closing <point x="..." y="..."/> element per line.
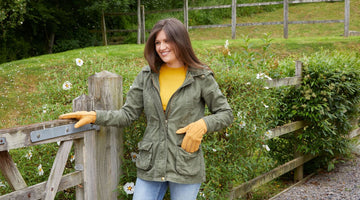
<point x="343" y="183"/>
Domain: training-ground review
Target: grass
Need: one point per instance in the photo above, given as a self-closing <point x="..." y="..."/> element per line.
<point x="30" y="85"/>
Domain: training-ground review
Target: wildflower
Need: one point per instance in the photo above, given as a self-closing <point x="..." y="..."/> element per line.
<point x="129" y="188"/>
<point x="268" y="133"/>
<point x="2" y="184"/>
<point x="79" y="62"/>
<point x="226" y="50"/>
<point x="248" y="83"/>
<point x="240" y="115"/>
<point x="266" y="106"/>
<point x="40" y="170"/>
<point x="214" y="150"/>
<point x="266" y="88"/>
<point x="262" y="76"/>
<point x="242" y="124"/>
<point x="134" y="156"/>
<point x="266" y="147"/>
<point x="254" y="129"/>
<point x="28" y="155"/>
<point x="44" y="109"/>
<point x="72" y="158"/>
<point x="226" y="44"/>
<point x="66" y="85"/>
<point x="201" y="194"/>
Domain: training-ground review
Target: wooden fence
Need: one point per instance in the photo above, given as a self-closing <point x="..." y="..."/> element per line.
<point x="291" y="128"/>
<point x="98" y="150"/>
<point x="141" y="17"/>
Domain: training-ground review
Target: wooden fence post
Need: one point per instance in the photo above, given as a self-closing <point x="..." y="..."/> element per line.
<point x="103" y="28"/>
<point x="186" y="14"/>
<point x="286" y="19"/>
<point x="142" y="8"/>
<point x="106" y="90"/>
<point x="233" y="19"/>
<point x="299" y="171"/>
<point x="347" y="18"/>
<point x="139" y="22"/>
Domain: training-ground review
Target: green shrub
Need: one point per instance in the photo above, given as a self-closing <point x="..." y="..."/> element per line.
<point x="327" y="101"/>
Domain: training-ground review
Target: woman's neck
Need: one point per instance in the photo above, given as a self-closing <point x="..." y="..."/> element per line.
<point x="177" y="64"/>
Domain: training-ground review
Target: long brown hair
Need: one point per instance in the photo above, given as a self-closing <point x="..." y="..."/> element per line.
<point x="177" y="34"/>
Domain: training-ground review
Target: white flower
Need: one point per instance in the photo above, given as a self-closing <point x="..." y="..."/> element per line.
<point x="79" y="62"/>
<point x="58" y="143"/>
<point x="266" y="147"/>
<point x="266" y="88"/>
<point x="255" y="127"/>
<point x="44" y="108"/>
<point x="134" y="156"/>
<point x="28" y="155"/>
<point x="226" y="44"/>
<point x="266" y="106"/>
<point x="248" y="83"/>
<point x="72" y="158"/>
<point x="2" y="184"/>
<point x="268" y="134"/>
<point x="242" y="124"/>
<point x="214" y="150"/>
<point x="268" y="77"/>
<point x="40" y="170"/>
<point x="66" y="85"/>
<point x="262" y="76"/>
<point x="201" y="194"/>
<point x="129" y="188"/>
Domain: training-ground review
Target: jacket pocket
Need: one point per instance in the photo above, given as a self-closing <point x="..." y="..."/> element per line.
<point x="188" y="163"/>
<point x="145" y="155"/>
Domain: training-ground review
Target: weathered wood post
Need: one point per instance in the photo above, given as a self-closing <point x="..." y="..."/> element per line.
<point x="186" y="14"/>
<point x="142" y="8"/>
<point x="106" y="90"/>
<point x="347" y="18"/>
<point x="233" y="19"/>
<point x="103" y="28"/>
<point x="286" y="19"/>
<point x="299" y="171"/>
<point x="139" y="22"/>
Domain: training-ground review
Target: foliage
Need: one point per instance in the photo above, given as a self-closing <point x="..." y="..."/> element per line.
<point x="11" y="15"/>
<point x="328" y="100"/>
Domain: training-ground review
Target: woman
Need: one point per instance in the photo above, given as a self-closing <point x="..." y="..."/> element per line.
<point x="172" y="91"/>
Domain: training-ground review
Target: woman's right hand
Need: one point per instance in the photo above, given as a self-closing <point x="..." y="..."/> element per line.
<point x="84" y="117"/>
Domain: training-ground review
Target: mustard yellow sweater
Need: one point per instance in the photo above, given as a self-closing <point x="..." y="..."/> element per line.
<point x="170" y="79"/>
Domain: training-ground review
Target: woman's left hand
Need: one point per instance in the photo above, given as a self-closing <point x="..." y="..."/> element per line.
<point x="194" y="134"/>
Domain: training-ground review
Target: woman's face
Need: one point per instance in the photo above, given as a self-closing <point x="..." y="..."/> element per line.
<point x="166" y="50"/>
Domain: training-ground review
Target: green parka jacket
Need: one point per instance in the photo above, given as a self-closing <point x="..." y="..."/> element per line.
<point x="161" y="157"/>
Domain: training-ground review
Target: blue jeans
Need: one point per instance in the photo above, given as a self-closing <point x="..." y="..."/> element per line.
<point x="153" y="190"/>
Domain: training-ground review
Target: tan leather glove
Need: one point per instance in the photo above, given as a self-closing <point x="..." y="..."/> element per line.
<point x="84" y="117"/>
<point x="194" y="134"/>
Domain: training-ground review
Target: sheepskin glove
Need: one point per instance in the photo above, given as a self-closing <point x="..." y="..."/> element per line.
<point x="193" y="135"/>
<point x="84" y="117"/>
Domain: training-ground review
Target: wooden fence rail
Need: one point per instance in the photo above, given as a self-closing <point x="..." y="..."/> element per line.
<point x="285" y="22"/>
